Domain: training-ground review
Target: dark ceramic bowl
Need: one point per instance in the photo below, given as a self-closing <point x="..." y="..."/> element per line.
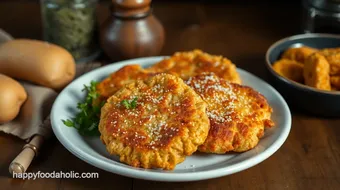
<point x="312" y="100"/>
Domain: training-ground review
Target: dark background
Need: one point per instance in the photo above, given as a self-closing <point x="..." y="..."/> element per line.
<point x="286" y="13"/>
<point x="240" y="30"/>
<point x="222" y="1"/>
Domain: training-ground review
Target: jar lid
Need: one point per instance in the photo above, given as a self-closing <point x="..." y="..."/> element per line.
<point x="326" y="5"/>
<point x="131" y="8"/>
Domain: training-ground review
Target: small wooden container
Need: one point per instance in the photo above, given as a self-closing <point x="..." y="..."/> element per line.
<point x="131" y="31"/>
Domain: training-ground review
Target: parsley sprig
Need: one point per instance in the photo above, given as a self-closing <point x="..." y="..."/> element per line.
<point x="87" y="119"/>
<point x="129" y="104"/>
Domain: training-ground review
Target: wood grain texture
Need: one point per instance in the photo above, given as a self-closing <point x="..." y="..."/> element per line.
<point x="309" y="159"/>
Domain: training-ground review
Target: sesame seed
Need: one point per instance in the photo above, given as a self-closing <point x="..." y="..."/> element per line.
<point x="223" y="93"/>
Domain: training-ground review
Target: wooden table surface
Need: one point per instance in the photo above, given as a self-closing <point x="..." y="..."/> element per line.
<point x="309" y="159"/>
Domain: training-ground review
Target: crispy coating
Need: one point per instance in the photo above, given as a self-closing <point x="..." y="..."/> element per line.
<point x="299" y="54"/>
<point x="118" y="79"/>
<point x="290" y="69"/>
<point x="168" y="123"/>
<point x="335" y="82"/>
<point x="333" y="57"/>
<point x="238" y="114"/>
<point x="182" y="64"/>
<point x="192" y="63"/>
<point x="316" y="72"/>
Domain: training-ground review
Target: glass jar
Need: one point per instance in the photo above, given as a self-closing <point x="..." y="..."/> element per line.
<point x="322" y="16"/>
<point x="72" y="24"/>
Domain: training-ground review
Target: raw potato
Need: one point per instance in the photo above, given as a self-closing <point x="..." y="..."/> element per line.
<point x="36" y="61"/>
<point x="12" y="96"/>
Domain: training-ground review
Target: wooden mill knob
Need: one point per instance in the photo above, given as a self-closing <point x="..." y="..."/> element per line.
<point x="131" y="31"/>
<point x="131" y="8"/>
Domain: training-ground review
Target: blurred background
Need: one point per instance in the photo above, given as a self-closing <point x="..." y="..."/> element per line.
<point x="210" y="25"/>
<point x="206" y="24"/>
<point x="287" y="13"/>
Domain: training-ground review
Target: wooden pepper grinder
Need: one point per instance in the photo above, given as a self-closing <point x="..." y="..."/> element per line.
<point x="131" y="31"/>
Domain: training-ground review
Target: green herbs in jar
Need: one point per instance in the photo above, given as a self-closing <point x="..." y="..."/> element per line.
<point x="72" y="25"/>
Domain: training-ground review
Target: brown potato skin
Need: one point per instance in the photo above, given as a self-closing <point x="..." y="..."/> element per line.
<point x="38" y="62"/>
<point x="12" y="96"/>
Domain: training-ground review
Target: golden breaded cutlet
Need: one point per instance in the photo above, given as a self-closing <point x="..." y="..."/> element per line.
<point x="182" y="64"/>
<point x="316" y="72"/>
<point x="121" y="77"/>
<point x="167" y="122"/>
<point x="238" y="114"/>
<point x="192" y="63"/>
<point x="332" y="55"/>
<point x="290" y="69"/>
<point x="299" y="54"/>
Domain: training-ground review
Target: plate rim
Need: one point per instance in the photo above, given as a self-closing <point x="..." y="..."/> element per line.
<point x="171" y="177"/>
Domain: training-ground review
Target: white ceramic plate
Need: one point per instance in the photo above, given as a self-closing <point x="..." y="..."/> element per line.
<point x="199" y="166"/>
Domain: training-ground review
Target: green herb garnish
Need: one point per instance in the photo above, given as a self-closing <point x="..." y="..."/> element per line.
<point x="87" y="120"/>
<point x="129" y="104"/>
<point x="68" y="123"/>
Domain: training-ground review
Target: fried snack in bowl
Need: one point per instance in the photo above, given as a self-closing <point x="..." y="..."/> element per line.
<point x="316" y="72"/>
<point x="238" y="114"/>
<point x="334" y="89"/>
<point x="308" y="96"/>
<point x="299" y="54"/>
<point x="290" y="69"/>
<point x="154" y="123"/>
<point x="192" y="63"/>
<point x="333" y="57"/>
<point x="335" y="82"/>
